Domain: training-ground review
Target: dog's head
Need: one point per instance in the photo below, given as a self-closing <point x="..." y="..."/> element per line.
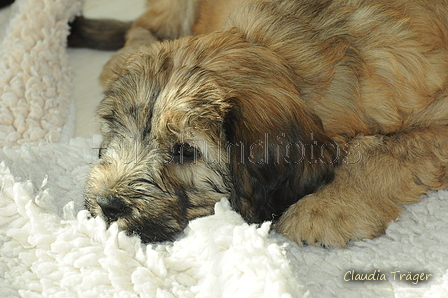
<point x="190" y="121"/>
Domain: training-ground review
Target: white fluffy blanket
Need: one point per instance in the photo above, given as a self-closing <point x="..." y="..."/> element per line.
<point x="50" y="248"/>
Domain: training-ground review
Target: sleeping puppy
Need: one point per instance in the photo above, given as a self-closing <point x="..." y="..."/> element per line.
<point x="322" y="116"/>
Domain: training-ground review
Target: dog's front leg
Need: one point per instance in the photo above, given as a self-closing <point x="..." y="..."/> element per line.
<point x="368" y="191"/>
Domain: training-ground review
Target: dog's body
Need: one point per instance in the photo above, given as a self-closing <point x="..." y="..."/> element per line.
<point x="324" y="116"/>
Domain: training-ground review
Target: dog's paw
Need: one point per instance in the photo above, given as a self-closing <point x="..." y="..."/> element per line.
<point x="330" y="222"/>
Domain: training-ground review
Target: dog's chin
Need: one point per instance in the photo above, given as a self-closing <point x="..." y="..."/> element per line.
<point x="152" y="233"/>
<point x="149" y="230"/>
<point x="153" y="238"/>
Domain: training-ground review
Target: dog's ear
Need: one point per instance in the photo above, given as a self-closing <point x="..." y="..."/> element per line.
<point x="277" y="153"/>
<point x="277" y="150"/>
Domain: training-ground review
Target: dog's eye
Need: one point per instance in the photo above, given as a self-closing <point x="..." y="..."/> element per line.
<point x="185" y="153"/>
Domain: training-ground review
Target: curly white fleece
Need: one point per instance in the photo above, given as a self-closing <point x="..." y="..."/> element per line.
<point x="50" y="248"/>
<point x="35" y="83"/>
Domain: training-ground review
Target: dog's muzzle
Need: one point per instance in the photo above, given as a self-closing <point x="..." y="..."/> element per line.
<point x="113" y="208"/>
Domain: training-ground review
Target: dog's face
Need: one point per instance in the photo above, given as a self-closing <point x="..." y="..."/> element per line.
<point x="190" y="121"/>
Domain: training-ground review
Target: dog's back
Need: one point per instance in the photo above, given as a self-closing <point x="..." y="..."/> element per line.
<point x="363" y="66"/>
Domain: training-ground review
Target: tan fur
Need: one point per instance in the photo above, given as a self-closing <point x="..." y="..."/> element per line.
<point x="358" y="87"/>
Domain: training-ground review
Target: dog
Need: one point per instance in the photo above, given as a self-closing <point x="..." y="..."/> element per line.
<point x="323" y="116"/>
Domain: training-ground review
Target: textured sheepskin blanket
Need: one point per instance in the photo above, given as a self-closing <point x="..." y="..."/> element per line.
<point x="49" y="247"/>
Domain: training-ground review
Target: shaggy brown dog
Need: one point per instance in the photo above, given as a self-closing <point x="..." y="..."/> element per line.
<point x="323" y="116"/>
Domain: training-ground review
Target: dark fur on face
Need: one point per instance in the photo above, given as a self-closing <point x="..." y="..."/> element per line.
<point x="179" y="137"/>
<point x="323" y="116"/>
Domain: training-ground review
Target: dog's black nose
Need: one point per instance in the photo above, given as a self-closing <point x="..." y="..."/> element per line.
<point x="113" y="208"/>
